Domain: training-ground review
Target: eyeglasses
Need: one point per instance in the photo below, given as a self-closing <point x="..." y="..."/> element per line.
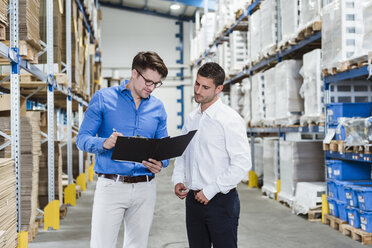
<point x="149" y="82"/>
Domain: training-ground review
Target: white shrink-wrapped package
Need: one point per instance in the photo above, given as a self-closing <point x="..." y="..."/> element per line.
<point x="246" y="111"/>
<point x="270" y="97"/>
<point x="268" y="27"/>
<point x="289" y="20"/>
<point x="308" y="196"/>
<point x="258" y="158"/>
<point x="270" y="166"/>
<point x="258" y="100"/>
<point x="209" y="27"/>
<point x="255" y="36"/>
<point x="367" y="21"/>
<point x="300" y="161"/>
<point x="342" y="32"/>
<point x="309" y="12"/>
<point x="311" y="89"/>
<point x="288" y="101"/>
<point x="234" y="96"/>
<point x="238" y="51"/>
<point x="354" y="90"/>
<point x="224" y="56"/>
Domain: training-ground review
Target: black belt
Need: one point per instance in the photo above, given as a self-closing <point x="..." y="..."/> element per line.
<point x="126" y="179"/>
<point x="194" y="192"/>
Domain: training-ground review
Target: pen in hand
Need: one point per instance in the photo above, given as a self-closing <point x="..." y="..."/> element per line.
<point x="111" y="141"/>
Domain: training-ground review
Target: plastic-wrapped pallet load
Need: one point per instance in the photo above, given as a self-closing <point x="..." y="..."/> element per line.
<point x="268" y="27"/>
<point x="367" y="20"/>
<point x="235" y="94"/>
<point x="258" y="159"/>
<point x="289" y="104"/>
<point x="238" y="51"/>
<point x="289" y="20"/>
<point x="342" y="32"/>
<point x="350" y="91"/>
<point x="308" y="196"/>
<point x="309" y="12"/>
<point x="255" y="32"/>
<point x="270" y="97"/>
<point x="311" y="89"/>
<point x="246" y="111"/>
<point x="270" y="166"/>
<point x="224" y="57"/>
<point x="300" y="161"/>
<point x="258" y="101"/>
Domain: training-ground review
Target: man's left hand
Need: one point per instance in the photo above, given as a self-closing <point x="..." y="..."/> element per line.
<point x="200" y="197"/>
<point x="153" y="165"/>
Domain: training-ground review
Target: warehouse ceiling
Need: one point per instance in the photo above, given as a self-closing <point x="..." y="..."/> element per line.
<point x="186" y="11"/>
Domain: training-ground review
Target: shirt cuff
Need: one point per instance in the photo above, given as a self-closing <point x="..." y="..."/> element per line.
<point x="177" y="180"/>
<point x="99" y="143"/>
<point x="211" y="190"/>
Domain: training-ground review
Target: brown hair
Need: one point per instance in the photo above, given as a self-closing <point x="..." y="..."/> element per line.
<point x="149" y="60"/>
<point x="213" y="71"/>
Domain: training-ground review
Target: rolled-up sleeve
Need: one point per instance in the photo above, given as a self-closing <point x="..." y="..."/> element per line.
<point x="162" y="131"/>
<point x="86" y="139"/>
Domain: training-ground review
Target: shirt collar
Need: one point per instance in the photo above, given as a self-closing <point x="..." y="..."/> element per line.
<point x="211" y="110"/>
<point x="123" y="88"/>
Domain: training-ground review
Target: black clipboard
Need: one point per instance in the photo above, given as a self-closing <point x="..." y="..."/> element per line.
<point x="136" y="149"/>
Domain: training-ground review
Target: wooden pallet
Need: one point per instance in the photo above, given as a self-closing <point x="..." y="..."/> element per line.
<point x="26" y="51"/>
<point x="315" y="215"/>
<point x="2" y="31"/>
<point x="348" y="65"/>
<point x="357" y="234"/>
<point x="334" y="222"/>
<point x="309" y="30"/>
<point x="63" y="211"/>
<point x="239" y="13"/>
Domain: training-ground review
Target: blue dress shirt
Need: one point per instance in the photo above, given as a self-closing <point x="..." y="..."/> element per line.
<point x="114" y="108"/>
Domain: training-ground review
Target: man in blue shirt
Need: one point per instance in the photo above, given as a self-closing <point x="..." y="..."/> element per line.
<point x="125" y="189"/>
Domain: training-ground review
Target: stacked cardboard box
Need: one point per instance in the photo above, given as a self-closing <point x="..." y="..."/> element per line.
<point x="3" y="18"/>
<point x="8" y="204"/>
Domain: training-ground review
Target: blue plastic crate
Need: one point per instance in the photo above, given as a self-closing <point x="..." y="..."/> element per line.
<point x="366" y="220"/>
<point x="350" y="193"/>
<point x="332" y="205"/>
<point x="337" y="110"/>
<point x="364" y="194"/>
<point x="341" y="207"/>
<point x="353" y="216"/>
<point x="345" y="170"/>
<point x="332" y="190"/>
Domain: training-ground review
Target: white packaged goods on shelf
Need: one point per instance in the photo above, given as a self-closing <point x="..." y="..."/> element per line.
<point x="270" y="97"/>
<point x="254" y="41"/>
<point x="258" y="100"/>
<point x="270" y="166"/>
<point x="309" y="12"/>
<point x="299" y="162"/>
<point x="258" y="158"/>
<point x="342" y="32"/>
<point x="350" y="91"/>
<point x="311" y="89"/>
<point x="224" y="57"/>
<point x="235" y="94"/>
<point x="268" y="27"/>
<point x="246" y="110"/>
<point x="367" y="21"/>
<point x="308" y="196"/>
<point x="289" y="20"/>
<point x="289" y="103"/>
<point x="238" y="51"/>
<point x="225" y="98"/>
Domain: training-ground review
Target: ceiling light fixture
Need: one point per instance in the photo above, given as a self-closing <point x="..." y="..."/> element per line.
<point x="175" y="6"/>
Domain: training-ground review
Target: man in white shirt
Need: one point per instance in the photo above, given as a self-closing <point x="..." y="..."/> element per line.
<point x="215" y="161"/>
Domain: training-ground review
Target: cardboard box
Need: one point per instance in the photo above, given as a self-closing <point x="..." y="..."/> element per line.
<point x="5" y="105"/>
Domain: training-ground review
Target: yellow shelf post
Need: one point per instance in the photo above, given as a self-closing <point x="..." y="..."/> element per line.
<point x="70" y="194"/>
<point x="22" y="240"/>
<point x="81" y="180"/>
<point x="325" y="207"/>
<point x="51" y="215"/>
<point x="91" y="172"/>
<point x="252" y="179"/>
<point x="278" y="188"/>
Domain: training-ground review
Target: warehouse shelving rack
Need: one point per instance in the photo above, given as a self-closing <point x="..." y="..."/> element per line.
<point x="301" y="47"/>
<point x="17" y="63"/>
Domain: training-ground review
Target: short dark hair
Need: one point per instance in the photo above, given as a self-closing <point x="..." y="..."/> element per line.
<point x="214" y="71"/>
<point x="149" y="60"/>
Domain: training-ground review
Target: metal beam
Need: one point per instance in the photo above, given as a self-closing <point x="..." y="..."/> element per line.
<point x="147" y="12"/>
<point x="196" y="3"/>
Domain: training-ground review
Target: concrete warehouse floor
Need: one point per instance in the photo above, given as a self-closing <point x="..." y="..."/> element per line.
<point x="263" y="223"/>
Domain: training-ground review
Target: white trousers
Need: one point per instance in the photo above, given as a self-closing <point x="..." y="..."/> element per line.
<point x="113" y="201"/>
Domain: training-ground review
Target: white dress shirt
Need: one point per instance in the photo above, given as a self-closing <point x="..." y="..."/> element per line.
<point x="218" y="156"/>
